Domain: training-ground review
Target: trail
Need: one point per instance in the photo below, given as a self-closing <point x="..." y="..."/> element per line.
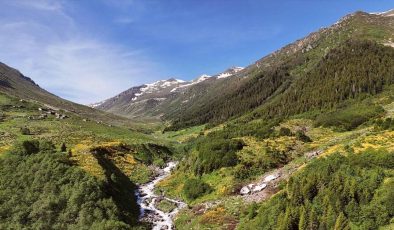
<point x="147" y="199"/>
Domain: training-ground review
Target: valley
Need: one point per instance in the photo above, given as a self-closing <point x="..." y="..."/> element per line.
<point x="301" y="139"/>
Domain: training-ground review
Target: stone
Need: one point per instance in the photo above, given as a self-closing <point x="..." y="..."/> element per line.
<point x="270" y="178"/>
<point x="259" y="187"/>
<point x="245" y="190"/>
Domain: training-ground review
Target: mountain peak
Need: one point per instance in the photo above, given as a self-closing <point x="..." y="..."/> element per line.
<point x="202" y="78"/>
<point x="229" y="72"/>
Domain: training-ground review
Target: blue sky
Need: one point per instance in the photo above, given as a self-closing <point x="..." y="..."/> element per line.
<point x="89" y="50"/>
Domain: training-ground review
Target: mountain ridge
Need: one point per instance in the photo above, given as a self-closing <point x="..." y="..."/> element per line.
<point x="142" y="100"/>
<point x="302" y="55"/>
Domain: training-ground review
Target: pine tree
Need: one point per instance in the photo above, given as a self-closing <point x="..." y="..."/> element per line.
<point x="303" y="223"/>
<point x="63" y="147"/>
<point x="341" y="222"/>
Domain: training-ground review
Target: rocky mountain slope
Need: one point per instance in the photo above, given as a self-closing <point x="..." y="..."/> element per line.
<point x="157" y="98"/>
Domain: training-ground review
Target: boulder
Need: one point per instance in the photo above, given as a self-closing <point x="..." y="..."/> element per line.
<point x="259" y="187"/>
<point x="245" y="190"/>
<point x="270" y="178"/>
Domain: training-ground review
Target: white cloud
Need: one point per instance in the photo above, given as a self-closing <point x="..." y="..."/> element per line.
<point x="63" y="59"/>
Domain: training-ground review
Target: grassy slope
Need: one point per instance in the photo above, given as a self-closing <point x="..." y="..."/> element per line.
<point x="13" y="83"/>
<point x="100" y="150"/>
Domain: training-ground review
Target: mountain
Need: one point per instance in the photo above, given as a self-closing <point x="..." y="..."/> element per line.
<point x="270" y="78"/>
<point x="14" y="83"/>
<point x="235" y="92"/>
<point x="155" y="99"/>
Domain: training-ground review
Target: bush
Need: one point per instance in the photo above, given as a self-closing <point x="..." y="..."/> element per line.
<point x="385" y="124"/>
<point x="302" y="137"/>
<point x="284" y="131"/>
<point x="25" y="148"/>
<point x="195" y="188"/>
<point x="47" y="147"/>
<point x="215" y="153"/>
<point x="25" y="131"/>
<point x="63" y="147"/>
<point x="350" y="117"/>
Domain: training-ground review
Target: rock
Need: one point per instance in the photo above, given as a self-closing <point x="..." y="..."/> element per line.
<point x="270" y="178"/>
<point x="259" y="187"/>
<point x="245" y="190"/>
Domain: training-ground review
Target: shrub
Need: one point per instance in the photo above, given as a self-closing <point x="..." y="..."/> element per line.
<point x="47" y="147"/>
<point x="63" y="147"/>
<point x="25" y="148"/>
<point x="215" y="153"/>
<point x="302" y="137"/>
<point x="25" y="131"/>
<point x="350" y="117"/>
<point x="284" y="131"/>
<point x="195" y="188"/>
<point x="385" y="124"/>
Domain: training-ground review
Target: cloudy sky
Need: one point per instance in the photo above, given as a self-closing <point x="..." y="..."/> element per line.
<point x="89" y="50"/>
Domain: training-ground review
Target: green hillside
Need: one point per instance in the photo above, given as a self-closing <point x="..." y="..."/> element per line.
<point x="301" y="139"/>
<point x="71" y="173"/>
<point x="279" y="76"/>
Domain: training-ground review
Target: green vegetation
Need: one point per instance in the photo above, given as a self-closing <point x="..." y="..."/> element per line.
<point x="216" y="153"/>
<point x="318" y="113"/>
<point x="43" y="190"/>
<point x="350" y="117"/>
<point x="25" y="148"/>
<point x="354" y="191"/>
<point x="386" y="124"/>
<point x="344" y="72"/>
<point x="195" y="188"/>
<point x="152" y="154"/>
<point x="88" y="184"/>
<point x="165" y="205"/>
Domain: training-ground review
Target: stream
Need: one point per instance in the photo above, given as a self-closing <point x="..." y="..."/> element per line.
<point x="147" y="198"/>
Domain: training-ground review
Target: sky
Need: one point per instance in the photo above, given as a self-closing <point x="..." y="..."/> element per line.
<point x="89" y="50"/>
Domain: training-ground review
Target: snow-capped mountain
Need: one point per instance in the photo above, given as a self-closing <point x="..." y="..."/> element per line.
<point x="139" y="100"/>
<point x="229" y="72"/>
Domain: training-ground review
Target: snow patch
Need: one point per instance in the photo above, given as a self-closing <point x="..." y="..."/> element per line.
<point x="95" y="105"/>
<point x="195" y="81"/>
<point x="229" y="72"/>
<point x="388" y="13"/>
<point x="155" y="86"/>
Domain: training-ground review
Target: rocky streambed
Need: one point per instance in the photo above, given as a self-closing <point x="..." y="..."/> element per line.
<point x="147" y="199"/>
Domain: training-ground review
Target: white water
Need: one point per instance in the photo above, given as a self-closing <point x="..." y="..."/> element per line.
<point x="147" y="199"/>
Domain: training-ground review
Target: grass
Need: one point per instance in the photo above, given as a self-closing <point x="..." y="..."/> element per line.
<point x="79" y="135"/>
<point x="182" y="135"/>
<point x="165" y="205"/>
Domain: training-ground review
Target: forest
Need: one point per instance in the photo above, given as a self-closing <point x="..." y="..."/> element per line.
<point x="354" y="69"/>
<point x="336" y="192"/>
<point x="41" y="188"/>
